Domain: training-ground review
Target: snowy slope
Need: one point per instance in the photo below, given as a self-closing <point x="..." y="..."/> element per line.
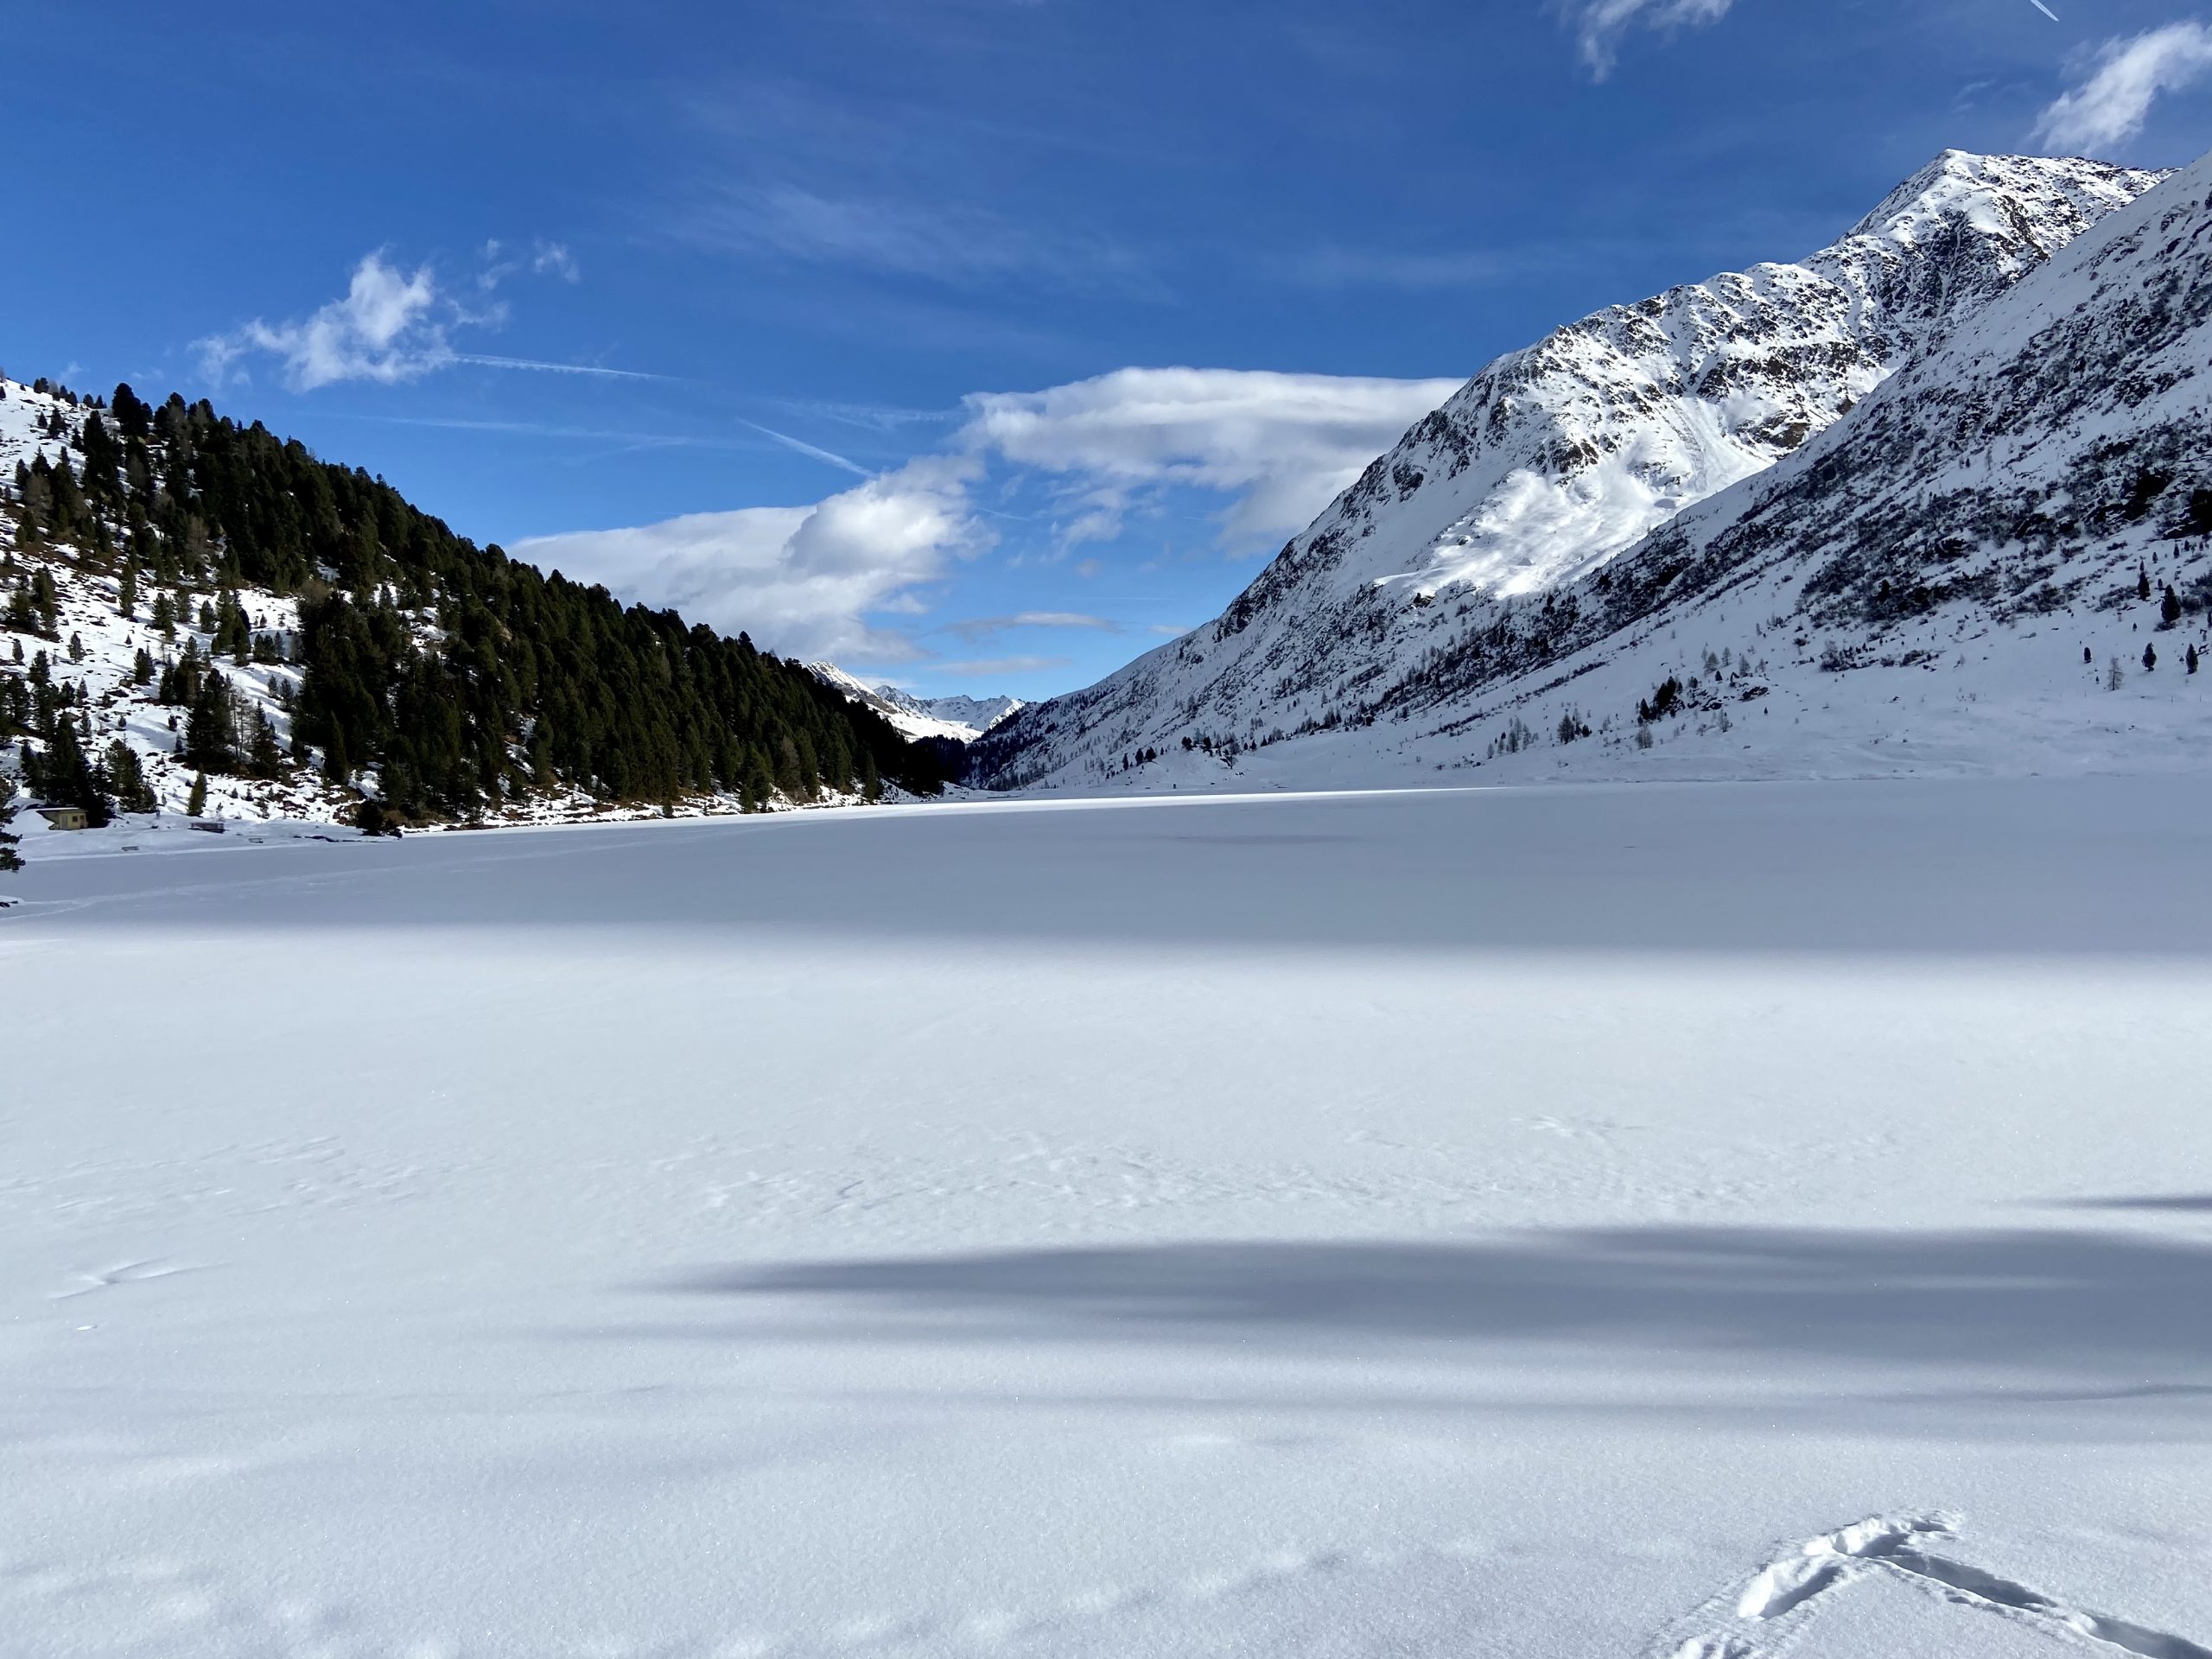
<point x="90" y="613"/>
<point x="1554" y="460"/>
<point x="2001" y="562"/>
<point x="962" y="719"/>
<point x="98" y="667"/>
<point x="1531" y="1223"/>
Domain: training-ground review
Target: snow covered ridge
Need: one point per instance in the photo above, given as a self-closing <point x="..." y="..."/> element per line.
<point x="963" y="719"/>
<point x="1550" y="464"/>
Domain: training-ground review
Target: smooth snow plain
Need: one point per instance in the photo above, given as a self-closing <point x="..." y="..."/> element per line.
<point x="1692" y="1222"/>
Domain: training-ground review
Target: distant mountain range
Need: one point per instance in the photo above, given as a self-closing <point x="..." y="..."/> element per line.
<point x="1862" y="512"/>
<point x="963" y="719"/>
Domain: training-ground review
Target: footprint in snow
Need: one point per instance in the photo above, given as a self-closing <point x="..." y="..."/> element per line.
<point x="1767" y="1613"/>
<point x="130" y="1272"/>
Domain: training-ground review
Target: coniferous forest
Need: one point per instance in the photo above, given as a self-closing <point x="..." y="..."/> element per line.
<point x="457" y="677"/>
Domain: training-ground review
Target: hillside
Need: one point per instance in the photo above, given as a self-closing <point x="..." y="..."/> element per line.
<point x="1360" y="653"/>
<point x="193" y="606"/>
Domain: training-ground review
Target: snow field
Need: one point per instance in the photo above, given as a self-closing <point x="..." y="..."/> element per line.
<point x="1516" y="1223"/>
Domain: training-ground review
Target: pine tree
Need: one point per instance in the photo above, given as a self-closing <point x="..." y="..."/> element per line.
<point x="196" y="803"/>
<point x="126" y="596"/>
<point x="142" y="668"/>
<point x="126" y="779"/>
<point x="2149" y="657"/>
<point x="9" y="858"/>
<point x="2142" y="581"/>
<point x="132" y="418"/>
<point x="46" y="601"/>
<point x="2192" y="659"/>
<point x="264" y="758"/>
<point x="211" y="730"/>
<point x="65" y="777"/>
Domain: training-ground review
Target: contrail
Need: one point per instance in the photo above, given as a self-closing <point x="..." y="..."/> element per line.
<point x="484" y="362"/>
<point x="805" y="448"/>
<point x="2046" y="10"/>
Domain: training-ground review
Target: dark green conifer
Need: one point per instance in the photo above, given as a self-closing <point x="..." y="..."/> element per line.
<point x="9" y="858"/>
<point x="126" y="778"/>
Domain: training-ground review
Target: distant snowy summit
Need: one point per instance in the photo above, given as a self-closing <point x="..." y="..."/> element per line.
<point x="1383" y="637"/>
<point x="962" y="719"/>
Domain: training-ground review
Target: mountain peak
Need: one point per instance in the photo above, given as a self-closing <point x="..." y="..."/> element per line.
<point x="962" y="719"/>
<point x="1961" y="181"/>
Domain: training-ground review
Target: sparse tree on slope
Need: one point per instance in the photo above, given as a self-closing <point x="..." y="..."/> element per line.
<point x="126" y="779"/>
<point x="9" y="858"/>
<point x="64" y="776"/>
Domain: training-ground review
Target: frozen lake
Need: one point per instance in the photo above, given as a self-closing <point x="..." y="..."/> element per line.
<point x="1525" y="1223"/>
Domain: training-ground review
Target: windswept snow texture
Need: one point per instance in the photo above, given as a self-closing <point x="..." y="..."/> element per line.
<point x="1715" y="1222"/>
<point x="1548" y="465"/>
<point x="962" y="719"/>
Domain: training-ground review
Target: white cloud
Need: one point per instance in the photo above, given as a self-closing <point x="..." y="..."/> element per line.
<point x="552" y="259"/>
<point x="820" y="582"/>
<point x="801" y="581"/>
<point x="1283" y="444"/>
<point x="1599" y="24"/>
<point x="389" y="327"/>
<point x="2112" y="105"/>
<point x="545" y="259"/>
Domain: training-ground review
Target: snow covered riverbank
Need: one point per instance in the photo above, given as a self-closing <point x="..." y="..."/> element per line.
<point x="1519" y="1223"/>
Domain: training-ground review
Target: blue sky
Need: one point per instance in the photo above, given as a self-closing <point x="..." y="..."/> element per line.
<point x="978" y="344"/>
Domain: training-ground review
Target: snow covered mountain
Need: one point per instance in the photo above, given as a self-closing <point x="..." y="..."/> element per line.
<point x="1550" y="464"/>
<point x="962" y="719"/>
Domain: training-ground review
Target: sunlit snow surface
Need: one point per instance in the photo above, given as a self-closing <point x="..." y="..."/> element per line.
<point x="1606" y="1221"/>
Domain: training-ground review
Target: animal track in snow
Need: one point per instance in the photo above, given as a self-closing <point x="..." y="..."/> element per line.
<point x="1796" y="1583"/>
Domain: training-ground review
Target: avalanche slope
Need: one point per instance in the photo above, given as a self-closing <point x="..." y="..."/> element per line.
<point x="1550" y="464"/>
